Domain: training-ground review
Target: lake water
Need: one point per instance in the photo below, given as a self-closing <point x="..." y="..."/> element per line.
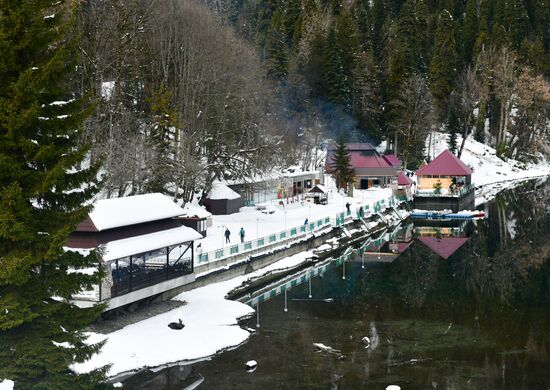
<point x="462" y="305"/>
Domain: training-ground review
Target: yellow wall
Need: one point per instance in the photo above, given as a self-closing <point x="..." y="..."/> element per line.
<point x="427" y="183"/>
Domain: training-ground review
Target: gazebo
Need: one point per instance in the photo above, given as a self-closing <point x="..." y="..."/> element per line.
<point x="444" y="183"/>
<point x="319" y="193"/>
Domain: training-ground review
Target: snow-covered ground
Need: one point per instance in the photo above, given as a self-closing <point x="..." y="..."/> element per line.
<point x="491" y="174"/>
<point x="258" y="224"/>
<point x="210" y="327"/>
<point x="6" y="384"/>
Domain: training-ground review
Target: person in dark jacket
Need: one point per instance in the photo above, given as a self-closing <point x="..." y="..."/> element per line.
<point x="227" y="234"/>
<point x="241" y="234"/>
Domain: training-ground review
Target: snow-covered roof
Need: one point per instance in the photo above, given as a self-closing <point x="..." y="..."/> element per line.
<point x="131" y="210"/>
<point x="319" y="188"/>
<point x="148" y="242"/>
<point x="221" y="191"/>
<point x="193" y="211"/>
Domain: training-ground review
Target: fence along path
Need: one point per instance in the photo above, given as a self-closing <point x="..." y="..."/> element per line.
<point x="281" y="237"/>
<point x="294" y="233"/>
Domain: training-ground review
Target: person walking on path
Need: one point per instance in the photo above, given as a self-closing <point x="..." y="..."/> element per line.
<point x="199" y="252"/>
<point x="347" y="207"/>
<point x="306" y="221"/>
<point x="227" y="234"/>
<point x="241" y="233"/>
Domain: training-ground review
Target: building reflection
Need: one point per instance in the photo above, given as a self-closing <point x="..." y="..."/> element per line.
<point x="443" y="238"/>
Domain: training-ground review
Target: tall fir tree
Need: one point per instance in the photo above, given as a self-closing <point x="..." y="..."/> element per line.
<point x="453" y="128"/>
<point x="42" y="189"/>
<point x="367" y="101"/>
<point x="347" y="47"/>
<point x="470" y="30"/>
<point x="292" y="21"/>
<point x="334" y="77"/>
<point x="265" y="11"/>
<point x="276" y="48"/>
<point x="443" y="65"/>
<point x="341" y="164"/>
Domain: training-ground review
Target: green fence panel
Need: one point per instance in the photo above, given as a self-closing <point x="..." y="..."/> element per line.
<point x="320" y="223"/>
<point x="248" y="245"/>
<point x="219" y="253"/>
<point x="311" y="226"/>
<point x="293" y="231"/>
<point x="260" y="242"/>
<point x="234" y="249"/>
<point x="272" y="238"/>
<point x="303" y="228"/>
<point x="327" y="220"/>
<point x="282" y="235"/>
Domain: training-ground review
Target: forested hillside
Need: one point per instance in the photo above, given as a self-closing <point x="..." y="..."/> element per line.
<point x="181" y="100"/>
<point x="401" y="68"/>
<point x="188" y="91"/>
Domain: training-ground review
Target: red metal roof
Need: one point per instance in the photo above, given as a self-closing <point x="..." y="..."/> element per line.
<point x="365" y="161"/>
<point x="445" y="164"/>
<point x="445" y="246"/>
<point x="392" y="160"/>
<point x="403" y="180"/>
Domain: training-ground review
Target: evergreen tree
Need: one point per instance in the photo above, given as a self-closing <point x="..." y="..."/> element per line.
<point x="42" y="188"/>
<point x="363" y="23"/>
<point x="162" y="138"/>
<point x="266" y="10"/>
<point x="341" y="164"/>
<point x="443" y="65"/>
<point x="367" y="103"/>
<point x="378" y="21"/>
<point x="334" y="77"/>
<point x="453" y="128"/>
<point x="347" y="47"/>
<point x="293" y="14"/>
<point x="470" y="30"/>
<point x="276" y="49"/>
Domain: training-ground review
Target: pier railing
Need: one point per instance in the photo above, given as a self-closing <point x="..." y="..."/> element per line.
<point x="368" y="208"/>
<point x="444" y="193"/>
<point x="281" y="237"/>
<point x="295" y="233"/>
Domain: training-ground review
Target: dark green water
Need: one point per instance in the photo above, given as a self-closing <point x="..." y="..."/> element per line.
<point x="477" y="319"/>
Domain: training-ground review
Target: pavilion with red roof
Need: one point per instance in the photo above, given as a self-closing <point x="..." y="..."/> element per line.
<point x="442" y="180"/>
<point x="369" y="167"/>
<point x="446" y="172"/>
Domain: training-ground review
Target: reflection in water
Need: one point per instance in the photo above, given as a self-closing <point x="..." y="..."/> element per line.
<point x="444" y="306"/>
